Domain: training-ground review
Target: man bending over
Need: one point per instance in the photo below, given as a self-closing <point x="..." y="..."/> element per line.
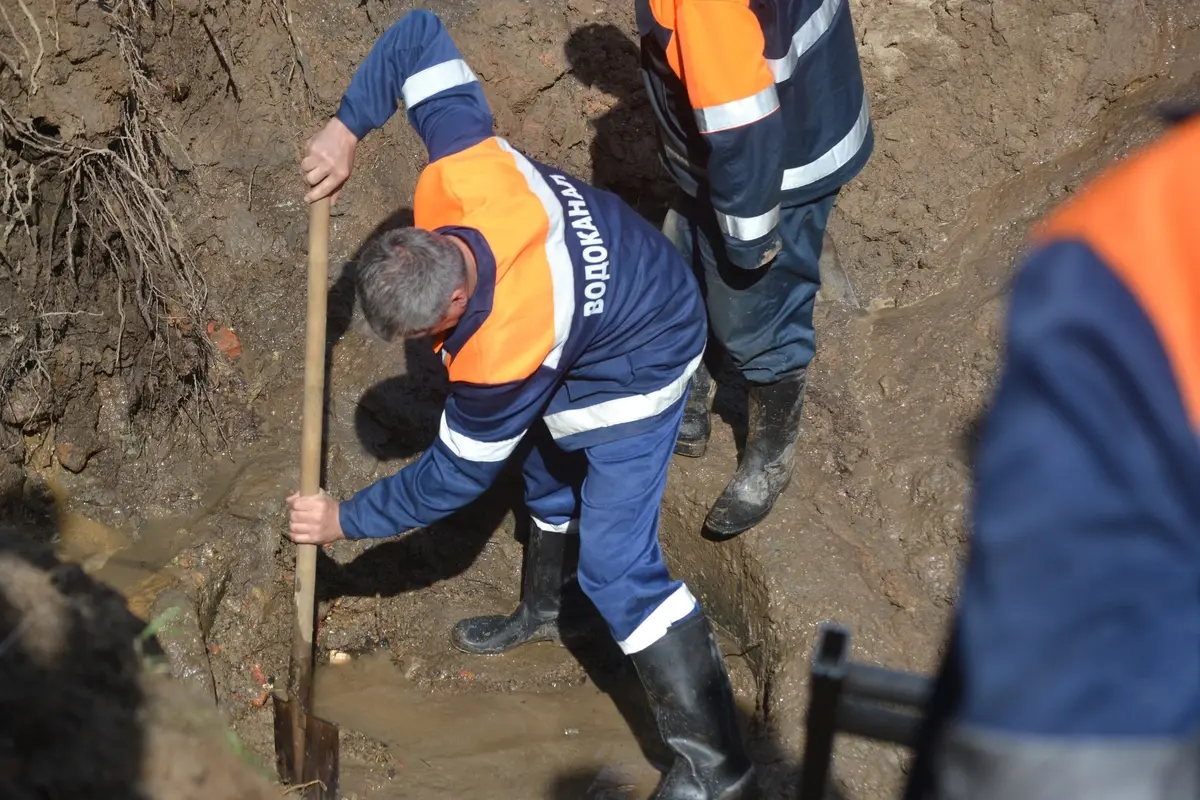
<point x="570" y="328"/>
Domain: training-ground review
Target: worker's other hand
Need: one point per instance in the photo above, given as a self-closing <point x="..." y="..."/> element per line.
<point x="754" y="256"/>
<point x="314" y="519"/>
<point x="328" y="160"/>
<point x="770" y="254"/>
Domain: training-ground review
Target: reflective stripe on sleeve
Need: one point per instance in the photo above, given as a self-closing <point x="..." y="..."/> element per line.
<point x="423" y="85"/>
<point x="747" y="229"/>
<point x="738" y="113"/>
<point x="835" y="158"/>
<point x="470" y="449"/>
<point x="803" y="39"/>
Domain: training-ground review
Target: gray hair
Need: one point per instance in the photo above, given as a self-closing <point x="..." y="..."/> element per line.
<point x="405" y="279"/>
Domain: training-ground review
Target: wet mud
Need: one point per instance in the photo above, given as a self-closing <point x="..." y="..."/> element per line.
<point x="566" y="739"/>
<point x="159" y="467"/>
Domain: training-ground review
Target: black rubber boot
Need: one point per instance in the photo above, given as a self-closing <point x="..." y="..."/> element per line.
<point x="550" y="560"/>
<point x="766" y="466"/>
<point x="696" y="426"/>
<point x="688" y="688"/>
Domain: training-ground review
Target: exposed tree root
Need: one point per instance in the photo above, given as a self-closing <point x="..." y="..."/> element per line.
<point x="283" y="15"/>
<point x="103" y="206"/>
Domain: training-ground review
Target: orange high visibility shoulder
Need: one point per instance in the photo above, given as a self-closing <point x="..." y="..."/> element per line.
<point x="721" y="51"/>
<point x="716" y="48"/>
<point x="1142" y="217"/>
<point x="481" y="188"/>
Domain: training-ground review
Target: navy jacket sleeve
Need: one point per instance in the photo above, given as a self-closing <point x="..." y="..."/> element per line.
<point x="480" y="428"/>
<point x="1076" y="663"/>
<point x="416" y="60"/>
<point x="732" y="92"/>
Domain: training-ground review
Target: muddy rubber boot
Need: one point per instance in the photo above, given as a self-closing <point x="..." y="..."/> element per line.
<point x="549" y="563"/>
<point x="696" y="426"/>
<point x="766" y="466"/>
<point x="688" y="688"/>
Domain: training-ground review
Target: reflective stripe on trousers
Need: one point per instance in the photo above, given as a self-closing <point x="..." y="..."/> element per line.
<point x="615" y="491"/>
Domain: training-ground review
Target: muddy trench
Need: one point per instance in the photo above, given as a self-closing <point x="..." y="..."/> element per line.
<point x="151" y="335"/>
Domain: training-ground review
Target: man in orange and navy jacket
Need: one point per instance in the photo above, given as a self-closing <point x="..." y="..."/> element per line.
<point x="1074" y="665"/>
<point x="762" y="118"/>
<point x="569" y="327"/>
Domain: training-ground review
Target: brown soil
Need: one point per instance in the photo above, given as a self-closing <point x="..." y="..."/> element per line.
<point x="164" y="454"/>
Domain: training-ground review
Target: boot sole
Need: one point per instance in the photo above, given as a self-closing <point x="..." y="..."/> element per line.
<point x="462" y="647"/>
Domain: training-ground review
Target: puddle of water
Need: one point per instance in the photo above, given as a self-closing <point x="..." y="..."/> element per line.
<point x="571" y="743"/>
<point x="138" y="570"/>
<point x="84" y="541"/>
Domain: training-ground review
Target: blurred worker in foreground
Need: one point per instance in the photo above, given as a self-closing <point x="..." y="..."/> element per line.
<point x="763" y="118"/>
<point x="569" y="327"/>
<point x="1074" y="666"/>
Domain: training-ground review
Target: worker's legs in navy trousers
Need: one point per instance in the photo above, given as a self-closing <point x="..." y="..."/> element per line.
<point x="763" y="319"/>
<point x="654" y="618"/>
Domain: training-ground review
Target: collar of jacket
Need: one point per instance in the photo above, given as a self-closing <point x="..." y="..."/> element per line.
<point x="480" y="303"/>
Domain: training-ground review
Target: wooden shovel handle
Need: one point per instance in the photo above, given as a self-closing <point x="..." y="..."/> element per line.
<point x="310" y="437"/>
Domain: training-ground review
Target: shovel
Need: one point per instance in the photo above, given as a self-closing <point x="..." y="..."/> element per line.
<point x="306" y="748"/>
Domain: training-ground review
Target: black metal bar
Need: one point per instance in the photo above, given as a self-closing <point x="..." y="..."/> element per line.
<point x="857" y="699"/>
<point x="859" y="718"/>
<point x="869" y="682"/>
<point x="829" y="667"/>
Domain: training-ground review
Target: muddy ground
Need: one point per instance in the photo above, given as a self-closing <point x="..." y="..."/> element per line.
<point x="151" y="345"/>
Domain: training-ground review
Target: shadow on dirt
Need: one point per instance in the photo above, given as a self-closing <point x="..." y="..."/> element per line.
<point x="625" y="161"/>
<point x="397" y="419"/>
<point x="69" y="693"/>
<point x="420" y="559"/>
<point x="624" y="152"/>
<point x="384" y="419"/>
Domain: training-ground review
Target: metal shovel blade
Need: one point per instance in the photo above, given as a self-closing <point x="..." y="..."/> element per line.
<point x="306" y="751"/>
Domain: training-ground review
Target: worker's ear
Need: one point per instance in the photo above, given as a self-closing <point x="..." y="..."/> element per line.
<point x="458" y="303"/>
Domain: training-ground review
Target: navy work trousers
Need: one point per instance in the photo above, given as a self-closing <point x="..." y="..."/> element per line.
<point x="762" y="318"/>
<point x="614" y="491"/>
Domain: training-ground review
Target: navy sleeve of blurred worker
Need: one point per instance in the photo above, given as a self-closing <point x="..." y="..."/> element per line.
<point x="480" y="428"/>
<point x="1076" y="643"/>
<point x="416" y="60"/>
<point x="732" y="92"/>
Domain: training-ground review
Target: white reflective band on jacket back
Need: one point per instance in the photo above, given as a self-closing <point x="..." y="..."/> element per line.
<point x="677" y="606"/>
<point x="621" y="410"/>
<point x="747" y="229"/>
<point x="423" y="85"/>
<point x="562" y="269"/>
<point x="813" y="29"/>
<point x="737" y="113"/>
<point x="470" y="449"/>
<point x="835" y="158"/>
